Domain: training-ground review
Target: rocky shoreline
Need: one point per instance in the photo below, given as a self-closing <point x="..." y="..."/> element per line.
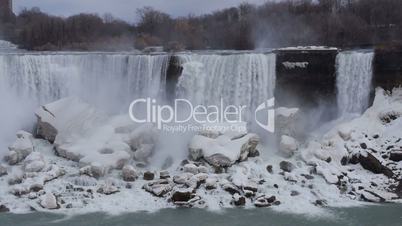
<point x="79" y="159"/>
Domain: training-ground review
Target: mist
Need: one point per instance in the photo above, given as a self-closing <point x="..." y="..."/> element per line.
<point x="17" y="113"/>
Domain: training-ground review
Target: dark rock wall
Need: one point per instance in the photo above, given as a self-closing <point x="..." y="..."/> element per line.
<point x="173" y="73"/>
<point x="309" y="85"/>
<point x="387" y="68"/>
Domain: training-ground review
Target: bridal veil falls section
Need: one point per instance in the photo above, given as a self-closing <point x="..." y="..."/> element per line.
<point x="354" y="81"/>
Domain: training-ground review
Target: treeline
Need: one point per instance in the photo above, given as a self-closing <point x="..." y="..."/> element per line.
<point x="273" y="24"/>
<point x="36" y="30"/>
<point x="7" y="23"/>
<point x="276" y="24"/>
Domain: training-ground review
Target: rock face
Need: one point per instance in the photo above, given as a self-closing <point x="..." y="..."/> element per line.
<point x="20" y="149"/>
<point x="44" y="129"/>
<point x="371" y="163"/>
<point x="49" y="201"/>
<point x="316" y="80"/>
<point x="223" y="150"/>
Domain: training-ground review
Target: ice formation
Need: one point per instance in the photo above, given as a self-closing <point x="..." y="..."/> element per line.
<point x="356" y="161"/>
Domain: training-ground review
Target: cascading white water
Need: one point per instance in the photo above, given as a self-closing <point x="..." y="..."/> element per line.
<point x="112" y="81"/>
<point x="109" y="81"/>
<point x="98" y="78"/>
<point x="354" y="77"/>
<point x="239" y="79"/>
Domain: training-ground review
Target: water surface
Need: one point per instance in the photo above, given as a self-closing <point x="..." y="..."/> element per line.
<point x="390" y="215"/>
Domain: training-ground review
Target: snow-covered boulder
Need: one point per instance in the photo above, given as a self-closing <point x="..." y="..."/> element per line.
<point x="264" y="201"/>
<point x="345" y="132"/>
<point x="190" y="168"/>
<point x="15" y="176"/>
<point x="34" y="162"/>
<point x="158" y="188"/>
<point x="66" y="118"/>
<point x="288" y="145"/>
<point x="185" y="197"/>
<point x="211" y="183"/>
<point x="49" y="201"/>
<point x="164" y="174"/>
<point x="85" y="135"/>
<point x="20" y="149"/>
<point x="108" y="188"/>
<point x="224" y="150"/>
<point x="182" y="178"/>
<point x="180" y="196"/>
<point x="238" y="200"/>
<point x="95" y="170"/>
<point x="129" y="173"/>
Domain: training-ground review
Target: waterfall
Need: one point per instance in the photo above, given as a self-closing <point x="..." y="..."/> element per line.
<point x="109" y="81"/>
<point x="112" y="81"/>
<point x="97" y="78"/>
<point x="354" y="77"/>
<point x="239" y="79"/>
